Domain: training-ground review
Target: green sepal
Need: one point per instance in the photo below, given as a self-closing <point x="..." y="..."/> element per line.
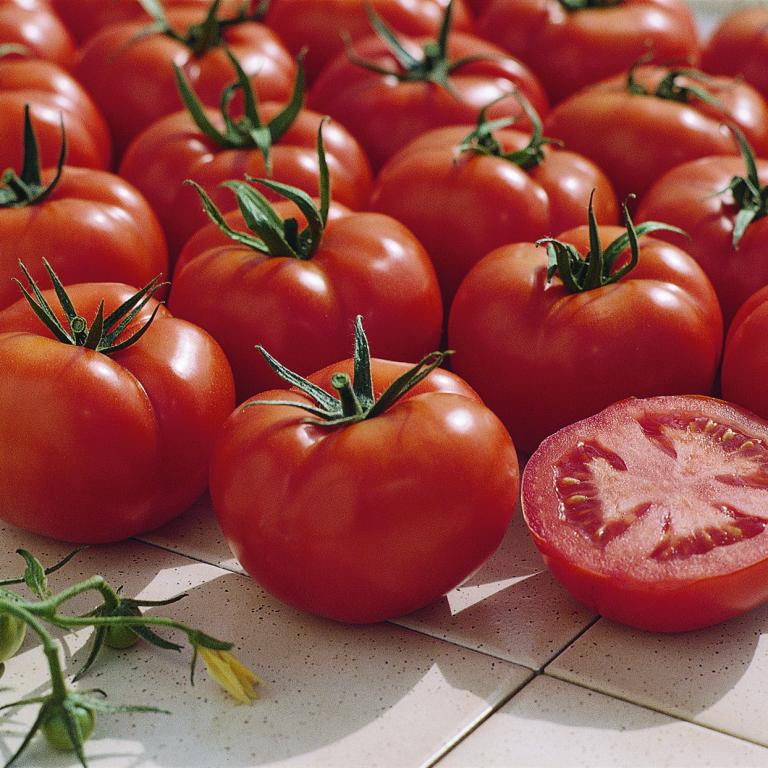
<point x="28" y="188"/>
<point x="356" y="400"/>
<point x="669" y="89"/>
<point x="596" y="269"/>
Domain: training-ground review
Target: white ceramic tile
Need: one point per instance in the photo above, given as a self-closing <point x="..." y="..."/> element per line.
<point x="553" y="723"/>
<point x="717" y="677"/>
<point x="338" y="695"/>
<point x="511" y="608"/>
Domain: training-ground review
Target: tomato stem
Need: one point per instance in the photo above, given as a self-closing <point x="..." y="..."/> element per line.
<point x="670" y="89"/>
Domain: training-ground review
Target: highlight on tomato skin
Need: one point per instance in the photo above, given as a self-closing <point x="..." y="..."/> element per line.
<point x="652" y="512"/>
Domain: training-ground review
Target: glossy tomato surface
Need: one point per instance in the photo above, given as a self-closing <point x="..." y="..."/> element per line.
<point x="132" y="80"/>
<point x="542" y="358"/>
<point x="98" y="448"/>
<point x="695" y="197"/>
<point x="373" y="520"/>
<point x="323" y="24"/>
<point x="302" y="311"/>
<point x="569" y="49"/>
<point x="174" y="149"/>
<point x="652" y="512"/>
<point x="385" y="113"/>
<point x="461" y="207"/>
<point x="55" y="97"/>
<point x="635" y="138"/>
<point x="93" y="227"/>
<point x="34" y="26"/>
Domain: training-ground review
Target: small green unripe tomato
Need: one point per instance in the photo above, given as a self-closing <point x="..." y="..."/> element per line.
<point x="56" y="732"/>
<point x="12" y="633"/>
<point x="120" y="637"/>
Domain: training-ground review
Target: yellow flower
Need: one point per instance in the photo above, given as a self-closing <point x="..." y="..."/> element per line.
<point x="230" y="674"/>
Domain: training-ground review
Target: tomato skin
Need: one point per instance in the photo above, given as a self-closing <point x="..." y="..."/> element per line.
<point x="174" y="149"/>
<point x="687" y="196"/>
<point x="93" y="227"/>
<point x="53" y="96"/>
<point x="371" y="521"/>
<point x="33" y="25"/>
<point x="745" y="359"/>
<point x="684" y="594"/>
<point x="322" y="23"/>
<point x="739" y="47"/>
<point x="461" y="209"/>
<point x="542" y="358"/>
<point x="635" y="139"/>
<point x="385" y="114"/>
<point x="55" y="730"/>
<point x="12" y="633"/>
<point x="133" y="82"/>
<point x="571" y="49"/>
<point x="133" y="430"/>
<point x="302" y="311"/>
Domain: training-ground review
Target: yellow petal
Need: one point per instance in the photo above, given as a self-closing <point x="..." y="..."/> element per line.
<point x="228" y="672"/>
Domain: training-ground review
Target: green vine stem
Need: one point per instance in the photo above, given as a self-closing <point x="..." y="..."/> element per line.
<point x="597" y="267"/>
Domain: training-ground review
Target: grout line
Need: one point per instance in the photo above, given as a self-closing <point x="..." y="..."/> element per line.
<point x="195" y="558"/>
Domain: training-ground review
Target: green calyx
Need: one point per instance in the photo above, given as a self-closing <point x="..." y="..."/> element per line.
<point x="268" y="233"/>
<point x="248" y="131"/>
<point x="481" y="141"/>
<point x="18" y="191"/>
<point x="102" y="334"/>
<point x="209" y="33"/>
<point x="356" y="400"/>
<point x="669" y="87"/>
<point x="433" y="66"/>
<point x="750" y="197"/>
<point x="597" y="268"/>
<point x="580" y="5"/>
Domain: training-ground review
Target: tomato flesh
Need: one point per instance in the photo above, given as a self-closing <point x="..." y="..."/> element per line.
<point x="653" y="512"/>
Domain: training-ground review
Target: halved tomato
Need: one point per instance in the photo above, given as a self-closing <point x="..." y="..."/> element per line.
<point x="653" y="512"/>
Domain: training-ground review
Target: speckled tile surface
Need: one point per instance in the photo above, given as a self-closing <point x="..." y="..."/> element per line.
<point x="379" y="695"/>
<point x="717" y="676"/>
<point x="553" y="723"/>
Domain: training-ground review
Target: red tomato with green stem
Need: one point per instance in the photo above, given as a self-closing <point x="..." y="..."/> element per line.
<point x="130" y="73"/>
<point x="325" y="26"/>
<point x="739" y="47"/>
<point x="90" y="225"/>
<point x="464" y="191"/>
<point x="572" y="43"/>
<point x="637" y="127"/>
<point x="272" y="139"/>
<point x="388" y="90"/>
<point x="720" y="203"/>
<point x="745" y="358"/>
<point x="548" y="340"/>
<point x="652" y="512"/>
<point x="113" y="418"/>
<point x="37" y="30"/>
<point x="398" y="487"/>
<point x="297" y="279"/>
<point x="53" y="96"/>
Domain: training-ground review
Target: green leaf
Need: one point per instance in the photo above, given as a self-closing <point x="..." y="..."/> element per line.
<point x="34" y="575"/>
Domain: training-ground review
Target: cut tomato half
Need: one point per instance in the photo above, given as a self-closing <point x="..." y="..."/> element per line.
<point x="654" y="512"/>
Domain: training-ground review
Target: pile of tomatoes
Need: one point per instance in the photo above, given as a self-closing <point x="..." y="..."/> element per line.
<point x="567" y="194"/>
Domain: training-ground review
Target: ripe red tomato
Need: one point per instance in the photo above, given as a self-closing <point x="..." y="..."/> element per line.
<point x="384" y="113"/>
<point x="695" y="196"/>
<point x="652" y="512"/>
<point x="99" y="447"/>
<point x="90" y="225"/>
<point x="54" y="96"/>
<point x="569" y="48"/>
<point x="745" y="359"/>
<point x="322" y="24"/>
<point x="33" y="25"/>
<point x="85" y="18"/>
<point x="175" y="149"/>
<point x="739" y="47"/>
<point x="131" y="76"/>
<point x="461" y="207"/>
<point x="542" y="357"/>
<point x="636" y="137"/>
<point x="302" y="309"/>
<point x="368" y="520"/>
